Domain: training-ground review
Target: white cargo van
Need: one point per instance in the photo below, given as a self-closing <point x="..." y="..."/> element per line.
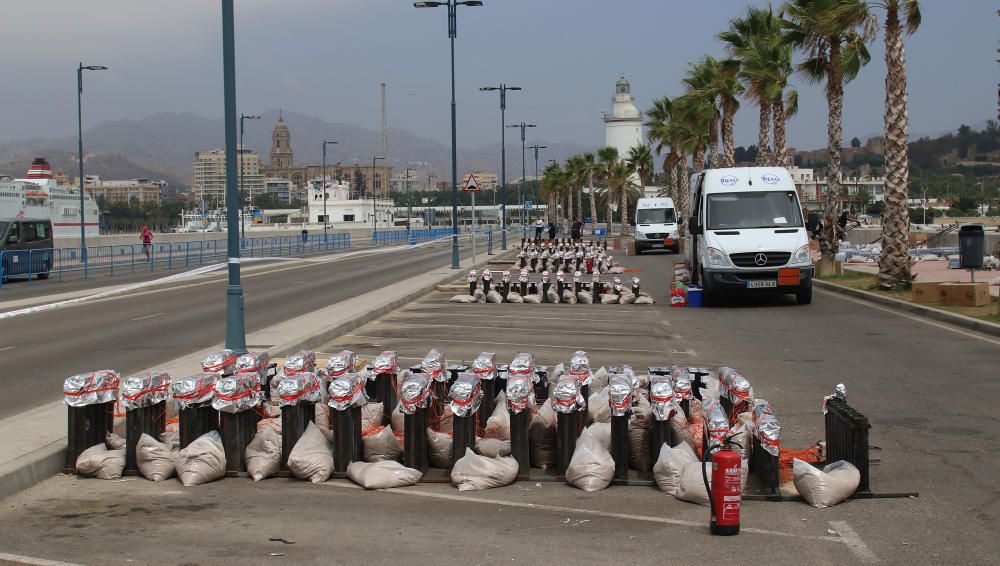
<point x="746" y="234"/>
<point x="656" y="225"/>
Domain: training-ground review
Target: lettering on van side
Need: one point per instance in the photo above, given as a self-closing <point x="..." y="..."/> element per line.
<point x="729" y="180"/>
<point x="770" y="179"/>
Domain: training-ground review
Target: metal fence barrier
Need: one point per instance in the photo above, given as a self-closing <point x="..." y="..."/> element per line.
<point x="847" y="438"/>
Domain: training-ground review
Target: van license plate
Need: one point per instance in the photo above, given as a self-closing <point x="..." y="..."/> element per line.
<point x="761" y="284"/>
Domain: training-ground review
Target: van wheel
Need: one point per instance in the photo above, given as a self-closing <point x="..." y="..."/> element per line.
<point x="709" y="296"/>
<point x="805" y="295"/>
<point x="42" y="275"/>
<point x="638" y="250"/>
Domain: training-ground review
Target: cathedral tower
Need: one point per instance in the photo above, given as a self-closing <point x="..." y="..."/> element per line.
<point x="281" y="145"/>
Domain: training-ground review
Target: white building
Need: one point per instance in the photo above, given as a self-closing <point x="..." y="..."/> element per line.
<point x="344" y="211"/>
<point x="623" y="126"/>
<point x="280" y="188"/>
<point x="812" y="187"/>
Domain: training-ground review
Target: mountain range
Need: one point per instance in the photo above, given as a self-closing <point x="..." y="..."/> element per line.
<point x="162" y="146"/>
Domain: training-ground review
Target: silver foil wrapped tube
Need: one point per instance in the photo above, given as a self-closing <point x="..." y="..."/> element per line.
<point x="300" y="387"/>
<point x="579" y="367"/>
<point x="567" y="396"/>
<point x="435" y="366"/>
<point x="386" y="363"/>
<point x="766" y="427"/>
<point x="301" y="361"/>
<point x="520" y="392"/>
<point x="92" y="388"/>
<point x="620" y="395"/>
<point x="195" y="390"/>
<point x="523" y="364"/>
<point x="716" y="421"/>
<point x="415" y="393"/>
<point x="223" y="362"/>
<point x="735" y="387"/>
<point x="341" y="363"/>
<point x="485" y="365"/>
<point x="145" y="389"/>
<point x="236" y="393"/>
<point x="346" y="391"/>
<point x="661" y="397"/>
<point x="465" y="395"/>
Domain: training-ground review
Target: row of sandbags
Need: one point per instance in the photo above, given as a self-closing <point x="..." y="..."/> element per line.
<point x="568" y="297"/>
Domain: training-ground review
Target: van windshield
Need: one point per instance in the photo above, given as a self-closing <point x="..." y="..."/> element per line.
<point x="655" y="216"/>
<point x="772" y="209"/>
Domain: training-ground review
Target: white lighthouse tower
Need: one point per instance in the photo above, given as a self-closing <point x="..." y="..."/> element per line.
<point x="623" y="126"/>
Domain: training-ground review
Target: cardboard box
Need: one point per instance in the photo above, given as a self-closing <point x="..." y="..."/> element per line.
<point x="925" y="291"/>
<point x="964" y="294"/>
<point x="917" y="238"/>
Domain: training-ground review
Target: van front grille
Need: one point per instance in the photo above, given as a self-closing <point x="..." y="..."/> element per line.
<point x="760" y="259"/>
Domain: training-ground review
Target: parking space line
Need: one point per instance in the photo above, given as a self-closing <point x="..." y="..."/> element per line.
<point x="560" y="318"/>
<point x="154" y="315"/>
<point x="482" y="327"/>
<point x="854" y="542"/>
<point x="516" y="345"/>
<point x="18" y="559"/>
<point x="7" y="348"/>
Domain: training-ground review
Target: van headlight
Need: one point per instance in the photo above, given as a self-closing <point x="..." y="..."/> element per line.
<point x="639" y="235"/>
<point x="801" y="255"/>
<point x="717" y="258"/>
<point x="674" y="234"/>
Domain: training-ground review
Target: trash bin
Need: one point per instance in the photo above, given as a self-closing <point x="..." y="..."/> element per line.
<point x="971" y="246"/>
<point x="694" y="296"/>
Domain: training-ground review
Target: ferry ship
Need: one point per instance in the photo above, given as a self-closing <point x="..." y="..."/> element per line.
<point x="39" y="196"/>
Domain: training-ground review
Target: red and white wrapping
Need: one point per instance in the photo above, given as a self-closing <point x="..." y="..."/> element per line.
<point x="485" y="365"/>
<point x="223" y="362"/>
<point x="567" y="395"/>
<point x="299" y="362"/>
<point x="236" y="393"/>
<point x="92" y="388"/>
<point x="254" y="362"/>
<point x="681" y="379"/>
<point x="387" y="363"/>
<point x="735" y="387"/>
<point x="145" y="390"/>
<point x="435" y="366"/>
<point x="466" y="394"/>
<point x="579" y="367"/>
<point x="523" y="364"/>
<point x="341" y="363"/>
<point x="661" y="397"/>
<point x="620" y="394"/>
<point x="195" y="390"/>
<point x="347" y="391"/>
<point x="301" y="387"/>
<point x="520" y="391"/>
<point x="415" y="393"/>
<point x="716" y="421"/>
<point x="765" y="427"/>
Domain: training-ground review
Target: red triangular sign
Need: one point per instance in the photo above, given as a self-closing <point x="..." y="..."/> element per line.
<point x="472" y="186"/>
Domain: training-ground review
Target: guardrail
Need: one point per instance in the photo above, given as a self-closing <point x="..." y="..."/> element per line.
<point x="385" y="237"/>
<point x="129" y="258"/>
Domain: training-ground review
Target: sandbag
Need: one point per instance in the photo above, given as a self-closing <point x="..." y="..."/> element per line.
<point x="385" y="474"/>
<point x="552" y="296"/>
<point x="600" y="379"/>
<point x="639" y="435"/>
<point x="322" y="419"/>
<point x="542" y="438"/>
<point x="609" y="299"/>
<point x="827" y="487"/>
<point x="626" y="298"/>
<point x="203" y="460"/>
<point x="172" y="440"/>
<point x="474" y="472"/>
<point x="534" y="299"/>
<point x="273" y="423"/>
<point x="494" y="296"/>
<point x="154" y="459"/>
<point x="585" y="297"/>
<point x="569" y="297"/>
<point x="691" y="487"/>
<point x="492" y="447"/>
<point x="114" y="441"/>
<point x="498" y="425"/>
<point x="514" y="297"/>
<point x="599" y="407"/>
<point x="398" y="419"/>
<point x="438" y="449"/>
<point x="479" y="296"/>
<point x="263" y="454"/>
<point x="468" y="299"/>
<point x="382" y="445"/>
<point x="644" y="300"/>
<point x="590" y="469"/>
<point x="371" y="415"/>
<point x="616" y="270"/>
<point x="670" y="465"/>
<point x="100" y="462"/>
<point x="310" y="458"/>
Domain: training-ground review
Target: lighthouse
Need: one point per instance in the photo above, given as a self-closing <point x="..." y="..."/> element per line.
<point x="623" y="126"/>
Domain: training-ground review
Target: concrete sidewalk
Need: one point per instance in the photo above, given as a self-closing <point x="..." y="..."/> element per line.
<point x="35" y="440"/>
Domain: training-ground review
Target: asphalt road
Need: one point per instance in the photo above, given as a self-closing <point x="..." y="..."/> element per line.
<point x="134" y="332"/>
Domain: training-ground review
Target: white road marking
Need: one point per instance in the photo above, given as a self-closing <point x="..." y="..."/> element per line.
<point x="298" y="282"/>
<point x="688" y="352"/>
<point x="481" y="327"/>
<point x="559" y="318"/>
<point x="7" y="348"/>
<point x="154" y="315"/>
<point x="912" y="317"/>
<point x="593" y="512"/>
<point x="854" y="542"/>
<point x="518" y="345"/>
<point x="18" y="559"/>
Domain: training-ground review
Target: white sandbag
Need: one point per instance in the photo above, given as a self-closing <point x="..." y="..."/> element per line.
<point x="644" y="300"/>
<point x="498" y="425"/>
<point x="589" y="469"/>
<point x="114" y="441"/>
<point x="827" y="487"/>
<point x="382" y="445"/>
<point x="552" y="296"/>
<point x="474" y="472"/>
<point x="263" y="454"/>
<point x="680" y="429"/>
<point x="100" y="462"/>
<point x="154" y="459"/>
<point x="542" y="438"/>
<point x="534" y="299"/>
<point x="626" y="298"/>
<point x="203" y="460"/>
<point x="172" y="440"/>
<point x="494" y="296"/>
<point x="479" y="296"/>
<point x="616" y="270"/>
<point x="385" y="474"/>
<point x="492" y="447"/>
<point x="691" y="487"/>
<point x="513" y="297"/>
<point x="398" y="419"/>
<point x="609" y="299"/>
<point x="600" y="380"/>
<point x="438" y="449"/>
<point x="569" y="297"/>
<point x="670" y="465"/>
<point x="585" y="297"/>
<point x="311" y="458"/>
<point x="322" y="420"/>
<point x="468" y="299"/>
<point x="371" y="415"/>
<point x="599" y="407"/>
<point x="597" y="436"/>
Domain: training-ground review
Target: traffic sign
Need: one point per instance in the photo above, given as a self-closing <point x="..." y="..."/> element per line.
<point x="472" y="186"/>
<point x="528" y="204"/>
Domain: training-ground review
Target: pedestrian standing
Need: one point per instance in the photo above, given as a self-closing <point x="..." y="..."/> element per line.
<point x="539" y="227"/>
<point x="552" y="231"/>
<point x="577" y="229"/>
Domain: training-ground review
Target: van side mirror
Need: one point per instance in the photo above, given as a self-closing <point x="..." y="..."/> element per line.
<point x="693" y="226"/>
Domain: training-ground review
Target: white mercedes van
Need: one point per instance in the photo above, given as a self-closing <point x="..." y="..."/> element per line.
<point x="656" y="225"/>
<point x="746" y="233"/>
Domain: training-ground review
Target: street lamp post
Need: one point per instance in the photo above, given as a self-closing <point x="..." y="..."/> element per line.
<point x="503" y="88"/>
<point x="409" y="200"/>
<point x="520" y="187"/>
<point x="452" y="6"/>
<point x="243" y="224"/>
<point x="79" y="125"/>
<point x="375" y="196"/>
<point x="235" y="332"/>
<point x="535" y="148"/>
<point x="326" y="220"/>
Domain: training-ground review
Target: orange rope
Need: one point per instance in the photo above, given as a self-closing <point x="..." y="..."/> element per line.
<point x="810" y="455"/>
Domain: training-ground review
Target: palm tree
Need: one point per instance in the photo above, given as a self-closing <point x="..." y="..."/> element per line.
<point x="589" y="167"/>
<point x="550" y="185"/>
<point x="609" y="159"/>
<point x="699" y="80"/>
<point x="640" y="162"/>
<point x="833" y="34"/>
<point x="894" y="267"/>
<point x="619" y="184"/>
<point x="578" y="176"/>
<point x="658" y="133"/>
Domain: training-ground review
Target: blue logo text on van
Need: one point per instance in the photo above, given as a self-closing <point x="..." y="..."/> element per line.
<point x="729" y="180"/>
<point x="770" y="179"/>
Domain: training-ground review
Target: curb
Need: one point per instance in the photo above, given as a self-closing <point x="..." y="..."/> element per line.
<point x="32" y="468"/>
<point x="920" y="310"/>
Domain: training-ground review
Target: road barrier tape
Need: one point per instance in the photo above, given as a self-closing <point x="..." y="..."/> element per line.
<point x="208" y="269"/>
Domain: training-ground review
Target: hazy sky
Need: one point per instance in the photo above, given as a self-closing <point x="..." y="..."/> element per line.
<point x="327" y="57"/>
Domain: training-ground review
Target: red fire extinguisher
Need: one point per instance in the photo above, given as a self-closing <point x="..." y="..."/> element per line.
<point x="724" y="493"/>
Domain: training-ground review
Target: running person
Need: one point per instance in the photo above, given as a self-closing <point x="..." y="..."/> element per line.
<point x="147" y="241"/>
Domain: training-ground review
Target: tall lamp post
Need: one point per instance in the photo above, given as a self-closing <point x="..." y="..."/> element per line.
<point x="326" y="220"/>
<point x="535" y="148"/>
<point x="452" y="6"/>
<point x="520" y="187"/>
<point x="79" y="125"/>
<point x="235" y="332"/>
<point x="375" y="195"/>
<point x="243" y="117"/>
<point x="503" y="88"/>
<point x="409" y="200"/>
